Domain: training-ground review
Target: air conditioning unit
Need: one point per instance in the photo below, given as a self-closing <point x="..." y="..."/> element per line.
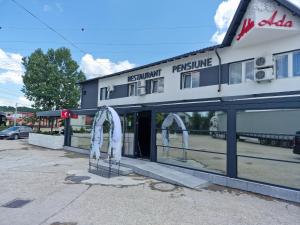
<point x="266" y="74"/>
<point x="264" y="62"/>
<point x="141" y="83"/>
<point x="141" y="91"/>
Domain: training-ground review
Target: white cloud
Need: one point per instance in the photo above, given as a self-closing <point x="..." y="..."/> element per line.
<point x="11" y="68"/>
<point x="11" y="77"/>
<point x="295" y="2"/>
<point x="224" y="16"/>
<point x="11" y="71"/>
<point x="21" y="100"/>
<point x="99" y="67"/>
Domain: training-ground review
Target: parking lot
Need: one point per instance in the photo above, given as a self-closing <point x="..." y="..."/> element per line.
<point x="42" y="177"/>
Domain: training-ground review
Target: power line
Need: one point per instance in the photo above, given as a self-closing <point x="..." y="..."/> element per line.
<point x="104" y="52"/>
<point x="109" y="44"/>
<point x="48" y="26"/>
<point x="85" y="28"/>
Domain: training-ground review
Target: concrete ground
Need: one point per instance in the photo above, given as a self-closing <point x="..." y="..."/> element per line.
<point x="60" y="198"/>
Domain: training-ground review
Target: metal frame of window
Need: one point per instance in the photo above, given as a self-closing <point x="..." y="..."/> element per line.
<point x="157" y="80"/>
<point x="227" y="105"/>
<point x="293" y="62"/>
<point x="101" y="93"/>
<point x="244" y="68"/>
<point x="134" y="85"/>
<point x="191" y="74"/>
<point x="275" y="65"/>
<point x="154" y="81"/>
<point x="231" y="107"/>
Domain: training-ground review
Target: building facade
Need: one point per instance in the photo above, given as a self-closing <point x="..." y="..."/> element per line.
<point x="238" y="102"/>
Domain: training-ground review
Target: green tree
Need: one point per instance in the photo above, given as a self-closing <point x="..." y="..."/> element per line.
<point x="51" y="79"/>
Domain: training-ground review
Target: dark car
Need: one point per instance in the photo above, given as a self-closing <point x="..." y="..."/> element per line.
<point x="15" y="132"/>
<point x="297" y="143"/>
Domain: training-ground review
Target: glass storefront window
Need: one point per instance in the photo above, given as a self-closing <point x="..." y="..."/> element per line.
<point x="128" y="134"/>
<point x="81" y="131"/>
<point x="192" y="140"/>
<point x="265" y="146"/>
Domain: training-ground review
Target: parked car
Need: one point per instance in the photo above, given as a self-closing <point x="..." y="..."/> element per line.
<point x="15" y="132"/>
<point x="297" y="143"/>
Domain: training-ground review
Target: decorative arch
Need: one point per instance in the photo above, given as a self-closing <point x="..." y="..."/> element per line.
<point x="169" y="120"/>
<point x="115" y="134"/>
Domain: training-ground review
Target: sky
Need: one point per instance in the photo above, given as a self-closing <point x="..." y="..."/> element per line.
<point x="109" y="35"/>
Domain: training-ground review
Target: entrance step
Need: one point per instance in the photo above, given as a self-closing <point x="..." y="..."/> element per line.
<point x="103" y="165"/>
<point x="163" y="173"/>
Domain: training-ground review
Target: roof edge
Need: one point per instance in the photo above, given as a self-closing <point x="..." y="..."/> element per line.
<point x="211" y="48"/>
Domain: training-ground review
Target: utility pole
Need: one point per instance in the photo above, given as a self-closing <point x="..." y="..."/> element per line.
<point x="15" y="117"/>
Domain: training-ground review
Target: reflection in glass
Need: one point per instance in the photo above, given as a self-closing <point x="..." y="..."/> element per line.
<point x="81" y="131"/>
<point x="198" y="148"/>
<point x="128" y="134"/>
<point x="265" y="146"/>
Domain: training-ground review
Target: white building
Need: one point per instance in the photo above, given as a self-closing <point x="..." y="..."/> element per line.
<point x="256" y="68"/>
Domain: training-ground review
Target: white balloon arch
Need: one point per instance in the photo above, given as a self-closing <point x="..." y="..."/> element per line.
<point x="165" y="132"/>
<point x="115" y="134"/>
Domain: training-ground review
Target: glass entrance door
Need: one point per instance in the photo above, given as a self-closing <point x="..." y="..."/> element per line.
<point x="143" y="134"/>
<point x="128" y="130"/>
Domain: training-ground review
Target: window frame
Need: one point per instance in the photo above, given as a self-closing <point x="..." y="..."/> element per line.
<point x="229" y="73"/>
<point x="293" y="63"/>
<point x="245" y="72"/>
<point x="156" y="80"/>
<point x="288" y="65"/>
<point x="244" y="69"/>
<point x="152" y="86"/>
<point x="106" y="94"/>
<point x="134" y="84"/>
<point x="192" y="74"/>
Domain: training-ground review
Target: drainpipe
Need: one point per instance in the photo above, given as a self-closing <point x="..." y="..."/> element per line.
<point x="220" y="69"/>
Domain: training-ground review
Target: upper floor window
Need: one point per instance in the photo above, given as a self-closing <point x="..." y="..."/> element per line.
<point x="235" y="73"/>
<point x="241" y="71"/>
<point x="249" y="70"/>
<point x="103" y="93"/>
<point x="157" y="85"/>
<point x="154" y="86"/>
<point x="296" y="63"/>
<point x="282" y="66"/>
<point x="190" y="79"/>
<point x="132" y="89"/>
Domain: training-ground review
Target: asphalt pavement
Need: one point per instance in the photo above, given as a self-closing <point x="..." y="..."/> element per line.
<point x="39" y="187"/>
